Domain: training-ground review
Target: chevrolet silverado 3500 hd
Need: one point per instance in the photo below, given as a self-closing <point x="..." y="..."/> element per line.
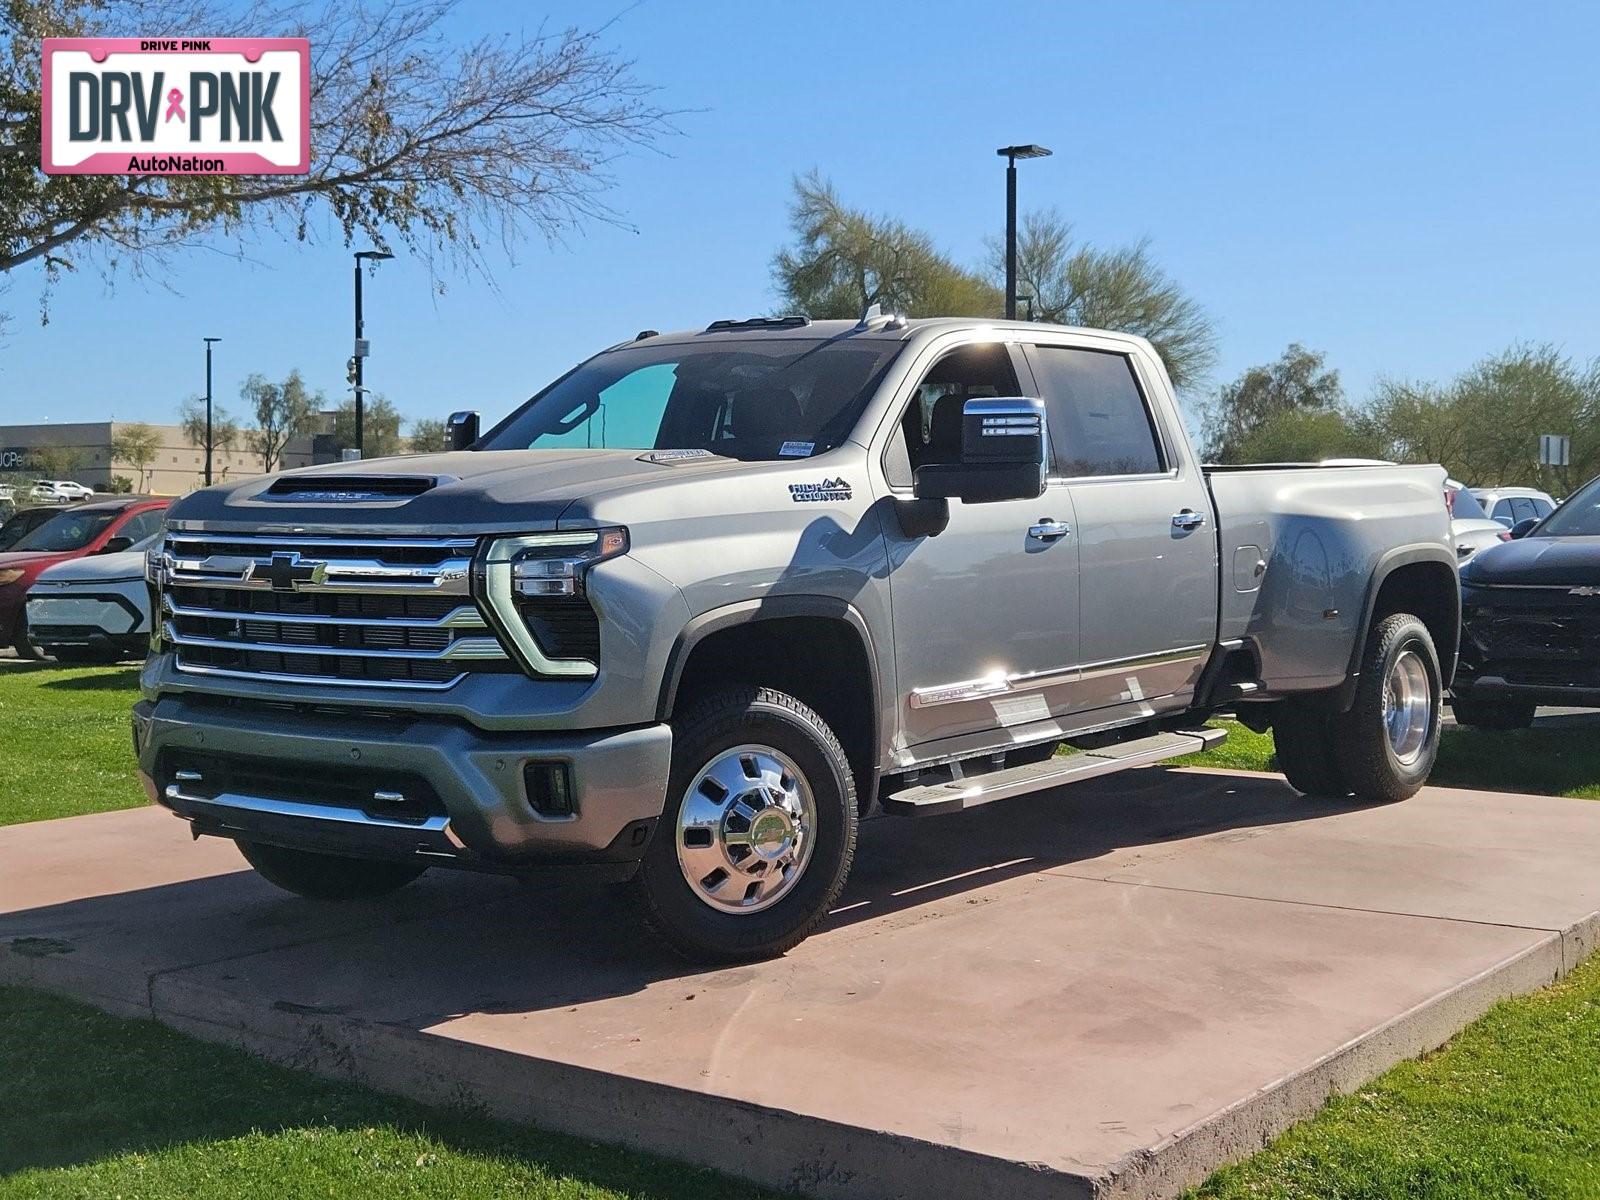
<point x="711" y="597"/>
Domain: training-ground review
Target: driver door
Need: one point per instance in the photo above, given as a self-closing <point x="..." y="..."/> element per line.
<point x="985" y="612"/>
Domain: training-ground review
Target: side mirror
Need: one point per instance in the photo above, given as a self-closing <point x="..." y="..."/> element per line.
<point x="115" y="545"/>
<point x="1506" y="521"/>
<point x="1524" y="527"/>
<point x="1003" y="449"/>
<point x="463" y="428"/>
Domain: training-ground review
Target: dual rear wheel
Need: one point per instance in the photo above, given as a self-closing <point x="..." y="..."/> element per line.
<point x="1382" y="748"/>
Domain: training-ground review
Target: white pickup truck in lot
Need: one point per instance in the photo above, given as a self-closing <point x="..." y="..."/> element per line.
<point x="710" y="598"/>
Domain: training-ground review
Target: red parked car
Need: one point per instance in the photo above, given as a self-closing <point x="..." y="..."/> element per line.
<point x="102" y="527"/>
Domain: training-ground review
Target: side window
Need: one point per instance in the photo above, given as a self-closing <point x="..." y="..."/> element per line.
<point x="1504" y="511"/>
<point x="930" y="430"/>
<point x="1099" y="424"/>
<point x="1542" y="508"/>
<point x="1522" y="509"/>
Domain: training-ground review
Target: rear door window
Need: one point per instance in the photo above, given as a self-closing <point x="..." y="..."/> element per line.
<point x="1099" y="422"/>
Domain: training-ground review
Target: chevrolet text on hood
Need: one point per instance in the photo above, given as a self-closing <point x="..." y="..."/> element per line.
<point x="711" y="598"/>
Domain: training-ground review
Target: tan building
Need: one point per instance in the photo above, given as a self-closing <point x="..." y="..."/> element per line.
<point x="82" y="451"/>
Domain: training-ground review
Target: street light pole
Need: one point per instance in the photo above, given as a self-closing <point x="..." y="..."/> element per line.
<point x="208" y="341"/>
<point x="360" y="348"/>
<point x="1011" y="154"/>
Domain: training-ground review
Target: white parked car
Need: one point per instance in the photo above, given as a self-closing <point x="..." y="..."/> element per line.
<point x="92" y="609"/>
<point x="1514" y="505"/>
<point x="59" y="491"/>
<point x="1470" y="527"/>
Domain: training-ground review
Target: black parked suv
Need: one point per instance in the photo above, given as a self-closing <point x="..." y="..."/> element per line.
<point x="1530" y="614"/>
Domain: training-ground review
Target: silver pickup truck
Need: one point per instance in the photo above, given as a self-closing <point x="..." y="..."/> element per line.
<point x="710" y="598"/>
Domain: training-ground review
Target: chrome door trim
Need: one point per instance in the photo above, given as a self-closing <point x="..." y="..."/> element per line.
<point x="1000" y="684"/>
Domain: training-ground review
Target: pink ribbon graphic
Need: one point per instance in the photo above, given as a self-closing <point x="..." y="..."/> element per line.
<point x="175" y="106"/>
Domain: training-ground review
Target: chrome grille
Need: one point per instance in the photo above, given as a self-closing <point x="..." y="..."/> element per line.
<point x="384" y="612"/>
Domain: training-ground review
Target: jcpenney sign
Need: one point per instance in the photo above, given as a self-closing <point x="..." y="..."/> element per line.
<point x="171" y="106"/>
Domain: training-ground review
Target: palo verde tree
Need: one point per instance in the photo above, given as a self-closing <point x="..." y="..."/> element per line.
<point x="224" y="429"/>
<point x="429" y="435"/>
<point x="843" y="259"/>
<point x="1075" y="284"/>
<point x="1284" y="394"/>
<point x="415" y="140"/>
<point x="282" y="412"/>
<point x="137" y="445"/>
<point x="380" y="426"/>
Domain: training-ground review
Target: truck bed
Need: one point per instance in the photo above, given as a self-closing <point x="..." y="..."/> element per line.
<point x="1298" y="545"/>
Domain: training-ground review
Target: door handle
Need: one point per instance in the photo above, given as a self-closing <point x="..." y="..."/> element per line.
<point x="1048" y="530"/>
<point x="1188" y="519"/>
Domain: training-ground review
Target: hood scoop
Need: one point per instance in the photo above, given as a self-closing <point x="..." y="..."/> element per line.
<point x="350" y="489"/>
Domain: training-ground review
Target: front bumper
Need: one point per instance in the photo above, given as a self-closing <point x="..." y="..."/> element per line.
<point x="105" y="616"/>
<point x="1538" y="644"/>
<point x="327" y="781"/>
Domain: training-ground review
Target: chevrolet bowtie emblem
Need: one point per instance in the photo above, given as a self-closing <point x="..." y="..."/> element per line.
<point x="1584" y="591"/>
<point x="286" y="572"/>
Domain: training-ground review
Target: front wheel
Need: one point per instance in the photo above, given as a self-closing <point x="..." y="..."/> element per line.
<point x="1387" y="742"/>
<point x="327" y="876"/>
<point x="758" y="832"/>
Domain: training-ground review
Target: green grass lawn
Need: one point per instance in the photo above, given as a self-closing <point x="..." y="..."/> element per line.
<point x="97" y="1106"/>
<point x="1510" y="1108"/>
<point x="65" y="746"/>
<point x="1550" y="762"/>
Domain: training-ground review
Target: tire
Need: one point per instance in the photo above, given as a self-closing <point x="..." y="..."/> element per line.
<point x="775" y="754"/>
<point x="1303" y="733"/>
<point x="327" y="876"/>
<point x="1493" y="714"/>
<point x="1381" y="757"/>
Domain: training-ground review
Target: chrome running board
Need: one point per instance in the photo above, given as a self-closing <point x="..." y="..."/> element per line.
<point x="926" y="800"/>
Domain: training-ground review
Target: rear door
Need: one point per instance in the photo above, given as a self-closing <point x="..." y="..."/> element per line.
<point x="1147" y="552"/>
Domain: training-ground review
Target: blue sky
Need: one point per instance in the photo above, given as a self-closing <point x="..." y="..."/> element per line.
<point x="1405" y="187"/>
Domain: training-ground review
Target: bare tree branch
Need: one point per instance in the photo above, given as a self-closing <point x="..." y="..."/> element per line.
<point x="415" y="141"/>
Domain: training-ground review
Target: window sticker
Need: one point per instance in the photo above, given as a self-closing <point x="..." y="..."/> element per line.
<point x="796" y="449"/>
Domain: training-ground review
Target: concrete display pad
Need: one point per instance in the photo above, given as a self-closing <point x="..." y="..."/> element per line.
<point x="1107" y="990"/>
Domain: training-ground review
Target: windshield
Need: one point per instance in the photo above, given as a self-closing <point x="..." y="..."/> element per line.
<point x="748" y="399"/>
<point x="1578" y="517"/>
<point x="66" y="531"/>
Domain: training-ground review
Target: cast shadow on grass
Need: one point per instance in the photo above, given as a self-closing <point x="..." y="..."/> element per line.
<point x="84" y="1089"/>
<point x="124" y="679"/>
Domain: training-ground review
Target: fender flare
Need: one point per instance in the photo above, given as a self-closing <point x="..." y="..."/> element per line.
<point x="1388" y="563"/>
<point x="774" y="608"/>
<point x="750" y="612"/>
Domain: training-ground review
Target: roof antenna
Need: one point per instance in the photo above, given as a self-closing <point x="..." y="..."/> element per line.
<point x="874" y="316"/>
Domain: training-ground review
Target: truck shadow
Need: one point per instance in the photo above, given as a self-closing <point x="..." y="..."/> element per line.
<point x="452" y="946"/>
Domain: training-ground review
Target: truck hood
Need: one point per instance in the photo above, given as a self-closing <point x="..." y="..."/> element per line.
<point x="485" y="490"/>
<point x="1573" y="561"/>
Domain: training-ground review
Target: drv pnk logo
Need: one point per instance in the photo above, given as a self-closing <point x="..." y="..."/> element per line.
<point x="177" y="106"/>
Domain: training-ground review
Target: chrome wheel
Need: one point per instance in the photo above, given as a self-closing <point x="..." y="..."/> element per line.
<point x="1407" y="706"/>
<point x="745" y="829"/>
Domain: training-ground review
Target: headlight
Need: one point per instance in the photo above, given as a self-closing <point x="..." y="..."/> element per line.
<point x="543" y="565"/>
<point x="10" y="576"/>
<point x="554" y="563"/>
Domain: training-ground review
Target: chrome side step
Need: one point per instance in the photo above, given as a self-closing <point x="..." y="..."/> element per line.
<point x="932" y="799"/>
